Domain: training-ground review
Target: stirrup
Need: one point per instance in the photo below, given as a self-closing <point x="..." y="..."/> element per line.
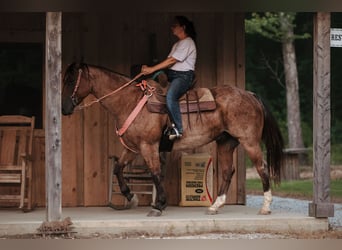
<point x="174" y="133"/>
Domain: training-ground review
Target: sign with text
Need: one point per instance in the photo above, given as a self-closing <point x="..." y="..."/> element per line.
<point x="335" y="37"/>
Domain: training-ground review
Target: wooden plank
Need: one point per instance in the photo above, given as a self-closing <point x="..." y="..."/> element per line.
<point x="95" y="156"/>
<point x="321" y="206"/>
<point x="38" y="171"/>
<point x="292" y="156"/>
<point x="53" y="157"/>
<point x="10" y="119"/>
<point x="10" y="198"/>
<point x="10" y="178"/>
<point x="72" y="160"/>
<point x="10" y="167"/>
<point x="8" y="143"/>
<point x="229" y="70"/>
<point x="95" y="151"/>
<point x="72" y="126"/>
<point x="172" y="177"/>
<point x="22" y="144"/>
<point x="240" y="82"/>
<point x="205" y="75"/>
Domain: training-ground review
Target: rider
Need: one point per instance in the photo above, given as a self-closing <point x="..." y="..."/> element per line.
<point x="181" y="66"/>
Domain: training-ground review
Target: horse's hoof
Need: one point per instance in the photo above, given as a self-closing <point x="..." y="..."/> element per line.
<point x="264" y="212"/>
<point x="211" y="211"/>
<point x="127" y="205"/>
<point x="133" y="203"/>
<point x="116" y="207"/>
<point x="154" y="213"/>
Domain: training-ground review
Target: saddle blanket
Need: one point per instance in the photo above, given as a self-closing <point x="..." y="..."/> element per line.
<point x="195" y="100"/>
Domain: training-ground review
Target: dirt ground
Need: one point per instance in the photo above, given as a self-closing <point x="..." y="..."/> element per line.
<point x="212" y="235"/>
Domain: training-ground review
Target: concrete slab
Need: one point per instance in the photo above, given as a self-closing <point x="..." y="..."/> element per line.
<point x="174" y="221"/>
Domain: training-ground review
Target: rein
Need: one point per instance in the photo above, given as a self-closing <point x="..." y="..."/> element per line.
<point x="147" y="90"/>
<point x="102" y="97"/>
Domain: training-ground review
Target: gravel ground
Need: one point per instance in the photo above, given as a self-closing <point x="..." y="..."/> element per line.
<point x="295" y="206"/>
<point x="279" y="204"/>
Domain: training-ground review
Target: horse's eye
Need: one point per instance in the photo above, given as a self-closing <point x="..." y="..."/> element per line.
<point x="69" y="81"/>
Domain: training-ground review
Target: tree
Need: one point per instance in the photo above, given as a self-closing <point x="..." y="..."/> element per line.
<point x="279" y="27"/>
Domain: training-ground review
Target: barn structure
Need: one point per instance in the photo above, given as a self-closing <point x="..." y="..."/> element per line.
<point x="118" y="42"/>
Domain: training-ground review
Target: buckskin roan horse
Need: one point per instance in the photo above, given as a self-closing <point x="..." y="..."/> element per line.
<point x="240" y="117"/>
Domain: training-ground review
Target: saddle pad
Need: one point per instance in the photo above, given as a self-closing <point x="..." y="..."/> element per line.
<point x="205" y="102"/>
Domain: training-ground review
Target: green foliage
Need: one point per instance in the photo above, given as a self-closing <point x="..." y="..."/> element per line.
<point x="336" y="154"/>
<point x="307" y="133"/>
<point x="264" y="54"/>
<point x="273" y="25"/>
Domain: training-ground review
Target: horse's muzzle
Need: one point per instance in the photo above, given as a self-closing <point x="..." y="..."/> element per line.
<point x="68" y="106"/>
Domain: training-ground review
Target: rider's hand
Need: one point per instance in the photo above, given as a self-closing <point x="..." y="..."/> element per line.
<point x="146" y="70"/>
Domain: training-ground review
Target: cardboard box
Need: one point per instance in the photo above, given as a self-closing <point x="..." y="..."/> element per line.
<point x="196" y="180"/>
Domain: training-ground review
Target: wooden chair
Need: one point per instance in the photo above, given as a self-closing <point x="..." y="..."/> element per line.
<point x="138" y="178"/>
<point x="16" y="139"/>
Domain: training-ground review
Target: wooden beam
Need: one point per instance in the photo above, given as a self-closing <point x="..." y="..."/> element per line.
<point x="53" y="79"/>
<point x="240" y="82"/>
<point x="321" y="206"/>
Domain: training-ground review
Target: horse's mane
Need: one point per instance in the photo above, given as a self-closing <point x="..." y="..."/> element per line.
<point x="75" y="66"/>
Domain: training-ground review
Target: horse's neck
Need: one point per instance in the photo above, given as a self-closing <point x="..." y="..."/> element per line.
<point x="116" y="99"/>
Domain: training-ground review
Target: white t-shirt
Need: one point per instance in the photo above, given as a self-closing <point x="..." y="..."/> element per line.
<point x="184" y="51"/>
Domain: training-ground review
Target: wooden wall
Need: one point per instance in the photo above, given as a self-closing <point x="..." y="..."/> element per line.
<point x="117" y="42"/>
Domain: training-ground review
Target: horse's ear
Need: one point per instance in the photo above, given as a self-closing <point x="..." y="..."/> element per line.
<point x="78" y="65"/>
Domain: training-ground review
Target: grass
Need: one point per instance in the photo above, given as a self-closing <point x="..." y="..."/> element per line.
<point x="336" y="156"/>
<point x="296" y="189"/>
<point x="335" y="151"/>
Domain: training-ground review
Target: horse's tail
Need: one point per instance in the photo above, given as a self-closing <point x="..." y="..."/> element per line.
<point x="274" y="143"/>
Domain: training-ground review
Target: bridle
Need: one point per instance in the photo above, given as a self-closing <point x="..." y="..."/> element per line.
<point x="147" y="90"/>
<point x="74" y="99"/>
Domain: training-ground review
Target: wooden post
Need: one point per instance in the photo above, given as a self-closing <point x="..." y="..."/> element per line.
<point x="240" y="170"/>
<point x="53" y="155"/>
<point x="321" y="206"/>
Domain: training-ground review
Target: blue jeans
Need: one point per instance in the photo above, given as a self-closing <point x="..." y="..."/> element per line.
<point x="180" y="83"/>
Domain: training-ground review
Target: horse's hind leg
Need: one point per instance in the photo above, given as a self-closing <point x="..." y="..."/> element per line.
<point x="225" y="149"/>
<point x="125" y="158"/>
<point x="256" y="156"/>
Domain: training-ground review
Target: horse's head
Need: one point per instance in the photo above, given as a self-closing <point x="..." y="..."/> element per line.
<point x="76" y="87"/>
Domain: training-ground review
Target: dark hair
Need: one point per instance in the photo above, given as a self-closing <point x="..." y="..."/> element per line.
<point x="189" y="26"/>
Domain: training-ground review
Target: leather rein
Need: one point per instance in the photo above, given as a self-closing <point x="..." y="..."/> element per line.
<point x="147" y="90"/>
<point x="74" y="98"/>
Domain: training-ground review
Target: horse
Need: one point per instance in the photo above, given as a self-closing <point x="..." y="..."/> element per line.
<point x="240" y="117"/>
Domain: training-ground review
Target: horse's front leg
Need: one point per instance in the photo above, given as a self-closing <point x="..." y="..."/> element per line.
<point x="152" y="159"/>
<point x="125" y="159"/>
